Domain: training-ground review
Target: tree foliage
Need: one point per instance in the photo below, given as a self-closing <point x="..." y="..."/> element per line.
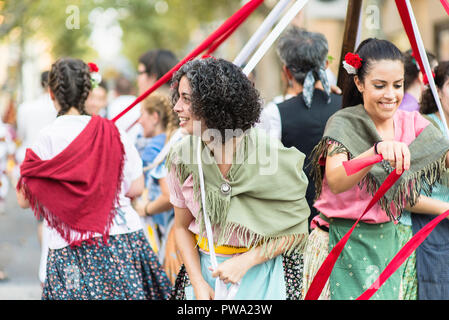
<point x="146" y="24"/>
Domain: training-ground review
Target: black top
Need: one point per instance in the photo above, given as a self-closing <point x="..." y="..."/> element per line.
<point x="303" y="128"/>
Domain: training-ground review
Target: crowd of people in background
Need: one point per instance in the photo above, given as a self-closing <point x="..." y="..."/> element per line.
<point x="134" y="228"/>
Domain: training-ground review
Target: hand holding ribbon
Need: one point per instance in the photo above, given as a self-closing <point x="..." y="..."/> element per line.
<point x="325" y="270"/>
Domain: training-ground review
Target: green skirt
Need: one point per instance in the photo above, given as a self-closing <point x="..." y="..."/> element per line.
<point x="366" y="254"/>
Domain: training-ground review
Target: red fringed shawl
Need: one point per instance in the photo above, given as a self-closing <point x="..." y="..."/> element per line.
<point x="78" y="189"/>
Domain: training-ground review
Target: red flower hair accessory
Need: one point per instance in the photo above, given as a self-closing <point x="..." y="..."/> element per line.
<point x="352" y="62"/>
<point x="95" y="76"/>
<point x="92" y="67"/>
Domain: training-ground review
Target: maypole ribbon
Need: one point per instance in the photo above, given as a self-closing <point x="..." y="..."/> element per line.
<point x="402" y="255"/>
<point x="419" y="51"/>
<point x="323" y="274"/>
<point x="225" y="35"/>
<point x="445" y="5"/>
<point x="228" y="24"/>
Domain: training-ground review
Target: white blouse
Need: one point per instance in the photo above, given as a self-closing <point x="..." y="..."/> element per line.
<point x="56" y="137"/>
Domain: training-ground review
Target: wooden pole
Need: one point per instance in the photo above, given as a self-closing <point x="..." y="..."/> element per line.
<point x="350" y="36"/>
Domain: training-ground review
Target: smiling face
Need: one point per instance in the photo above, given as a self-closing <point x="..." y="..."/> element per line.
<point x="382" y="89"/>
<point x="183" y="108"/>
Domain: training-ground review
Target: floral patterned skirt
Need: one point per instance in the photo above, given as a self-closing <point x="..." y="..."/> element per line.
<point x="125" y="269"/>
<point x="293" y="270"/>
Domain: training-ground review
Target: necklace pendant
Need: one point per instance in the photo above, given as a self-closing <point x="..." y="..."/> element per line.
<point x="225" y="188"/>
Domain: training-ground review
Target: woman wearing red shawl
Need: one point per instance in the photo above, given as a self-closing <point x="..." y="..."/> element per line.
<point x="80" y="176"/>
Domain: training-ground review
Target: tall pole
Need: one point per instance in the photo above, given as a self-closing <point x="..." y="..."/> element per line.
<point x="350" y="36"/>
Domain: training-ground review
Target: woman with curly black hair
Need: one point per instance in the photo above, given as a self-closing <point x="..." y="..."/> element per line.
<point x="258" y="214"/>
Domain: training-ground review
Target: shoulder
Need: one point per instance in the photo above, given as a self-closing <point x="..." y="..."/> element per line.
<point x="264" y="140"/>
<point x="349" y="113"/>
<point x="180" y="149"/>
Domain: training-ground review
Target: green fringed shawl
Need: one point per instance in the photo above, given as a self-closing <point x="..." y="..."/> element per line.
<point x="264" y="204"/>
<point x="354" y="132"/>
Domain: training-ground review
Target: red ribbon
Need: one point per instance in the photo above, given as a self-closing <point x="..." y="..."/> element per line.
<point x="323" y="274"/>
<point x="218" y="35"/>
<point x="445" y="5"/>
<point x="325" y="270"/>
<point x="406" y="21"/>
<point x="402" y="255"/>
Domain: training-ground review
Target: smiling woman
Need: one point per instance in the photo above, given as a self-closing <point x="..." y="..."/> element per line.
<point x="259" y="220"/>
<point x="370" y="124"/>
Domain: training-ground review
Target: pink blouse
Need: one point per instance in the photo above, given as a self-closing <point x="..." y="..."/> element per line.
<point x="182" y="196"/>
<point x="351" y="204"/>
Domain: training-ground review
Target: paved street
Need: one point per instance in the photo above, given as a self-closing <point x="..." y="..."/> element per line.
<point x="19" y="252"/>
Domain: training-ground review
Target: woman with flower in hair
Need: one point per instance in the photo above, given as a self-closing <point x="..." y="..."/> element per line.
<point x="370" y="123"/>
<point x="80" y="176"/>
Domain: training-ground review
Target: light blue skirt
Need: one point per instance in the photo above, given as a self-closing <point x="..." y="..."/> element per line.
<point x="265" y="281"/>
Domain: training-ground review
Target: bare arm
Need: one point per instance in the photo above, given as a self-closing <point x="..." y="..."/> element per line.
<point x="336" y="176"/>
<point x="426" y="205"/>
<point x="21" y="200"/>
<point x="233" y="270"/>
<point x="189" y="253"/>
<point x="397" y="153"/>
<point x="136" y="187"/>
<point x="161" y="203"/>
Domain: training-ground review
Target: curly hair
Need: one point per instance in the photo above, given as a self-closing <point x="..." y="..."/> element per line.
<point x="160" y="103"/>
<point x="70" y="82"/>
<point x="222" y="94"/>
<point x="428" y="104"/>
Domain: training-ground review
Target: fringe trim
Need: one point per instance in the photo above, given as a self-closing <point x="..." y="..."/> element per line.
<point x="289" y="244"/>
<point x="320" y="151"/>
<point x="217" y="206"/>
<point x="407" y="192"/>
<point x="217" y="209"/>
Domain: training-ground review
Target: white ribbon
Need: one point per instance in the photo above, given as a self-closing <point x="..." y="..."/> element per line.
<point x="268" y="42"/>
<point x="221" y="290"/>
<point x="427" y="69"/>
<point x="260" y="32"/>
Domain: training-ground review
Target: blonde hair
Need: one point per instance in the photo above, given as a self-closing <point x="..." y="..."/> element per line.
<point x="160" y="103"/>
